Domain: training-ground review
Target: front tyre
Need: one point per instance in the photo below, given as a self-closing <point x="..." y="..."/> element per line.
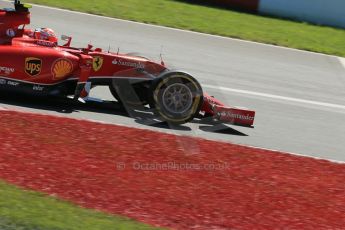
<point x="177" y="97"/>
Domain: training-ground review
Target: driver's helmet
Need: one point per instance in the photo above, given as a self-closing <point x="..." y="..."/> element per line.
<point x="46" y="34"/>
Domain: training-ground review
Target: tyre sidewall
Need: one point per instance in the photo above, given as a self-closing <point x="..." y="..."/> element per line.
<point x="169" y="79"/>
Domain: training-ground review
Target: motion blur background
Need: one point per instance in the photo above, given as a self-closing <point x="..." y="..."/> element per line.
<point x="331" y="12"/>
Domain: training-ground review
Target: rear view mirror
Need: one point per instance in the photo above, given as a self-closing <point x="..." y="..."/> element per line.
<point x="67" y="39"/>
<point x="64" y="38"/>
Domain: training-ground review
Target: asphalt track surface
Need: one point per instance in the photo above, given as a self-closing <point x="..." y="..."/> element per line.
<point x="299" y="96"/>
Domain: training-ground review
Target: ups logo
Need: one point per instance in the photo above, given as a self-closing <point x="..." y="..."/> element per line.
<point x="33" y="66"/>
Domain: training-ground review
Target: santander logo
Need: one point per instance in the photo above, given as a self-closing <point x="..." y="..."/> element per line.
<point x="137" y="65"/>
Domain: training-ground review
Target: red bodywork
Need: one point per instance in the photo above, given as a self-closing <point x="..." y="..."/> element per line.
<point x="42" y="65"/>
<point x="233" y="115"/>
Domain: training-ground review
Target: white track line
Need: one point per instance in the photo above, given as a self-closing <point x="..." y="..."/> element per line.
<point x="292" y="99"/>
<point x="342" y="61"/>
<point x="296" y="154"/>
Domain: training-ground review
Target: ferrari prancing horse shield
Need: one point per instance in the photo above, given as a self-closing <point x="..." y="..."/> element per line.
<point x="97" y="63"/>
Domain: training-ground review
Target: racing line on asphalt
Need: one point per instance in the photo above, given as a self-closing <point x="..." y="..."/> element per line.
<point x="292" y="99"/>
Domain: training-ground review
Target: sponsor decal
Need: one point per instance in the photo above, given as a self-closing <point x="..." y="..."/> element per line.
<point x="6" y="70"/>
<point x="38" y="88"/>
<point x="13" y="83"/>
<point x="10" y="33"/>
<point x="137" y="65"/>
<point x="62" y="68"/>
<point x="97" y="63"/>
<point x="236" y="116"/>
<point x="45" y="43"/>
<point x="3" y="82"/>
<point x="33" y="66"/>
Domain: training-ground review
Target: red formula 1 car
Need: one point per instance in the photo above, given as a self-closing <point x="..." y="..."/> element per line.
<point x="31" y="61"/>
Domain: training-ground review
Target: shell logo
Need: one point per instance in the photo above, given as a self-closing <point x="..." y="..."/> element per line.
<point x="62" y="68"/>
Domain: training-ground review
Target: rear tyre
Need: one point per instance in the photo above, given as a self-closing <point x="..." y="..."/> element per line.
<point x="177" y="97"/>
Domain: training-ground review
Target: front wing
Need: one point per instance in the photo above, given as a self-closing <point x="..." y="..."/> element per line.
<point x="232" y="115"/>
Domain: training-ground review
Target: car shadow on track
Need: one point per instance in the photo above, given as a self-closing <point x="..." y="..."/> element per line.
<point x="57" y="104"/>
<point x="141" y="116"/>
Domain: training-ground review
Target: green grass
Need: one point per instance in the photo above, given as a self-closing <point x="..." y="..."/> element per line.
<point x="215" y="21"/>
<point x="25" y="210"/>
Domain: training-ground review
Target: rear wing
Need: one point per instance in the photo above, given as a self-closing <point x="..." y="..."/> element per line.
<point x="19" y="7"/>
<point x="13" y="18"/>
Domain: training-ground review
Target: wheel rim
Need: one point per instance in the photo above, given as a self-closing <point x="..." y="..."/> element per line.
<point x="177" y="98"/>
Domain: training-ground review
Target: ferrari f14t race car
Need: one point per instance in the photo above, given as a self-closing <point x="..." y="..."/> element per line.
<point x="31" y="61"/>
